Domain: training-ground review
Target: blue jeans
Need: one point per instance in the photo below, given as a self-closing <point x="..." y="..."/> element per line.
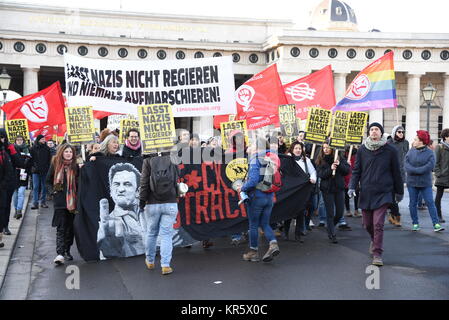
<point x="39" y="187"/>
<point x="160" y="219"/>
<point x="322" y="209"/>
<point x="18" y="198"/>
<point x="428" y="198"/>
<point x="259" y="213"/>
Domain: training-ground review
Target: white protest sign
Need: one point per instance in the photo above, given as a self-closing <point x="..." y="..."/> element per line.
<point x="198" y="87"/>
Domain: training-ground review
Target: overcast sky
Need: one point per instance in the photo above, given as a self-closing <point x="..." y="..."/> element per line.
<point x="385" y="15"/>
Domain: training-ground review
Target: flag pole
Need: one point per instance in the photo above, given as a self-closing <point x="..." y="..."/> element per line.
<point x="335" y="159"/>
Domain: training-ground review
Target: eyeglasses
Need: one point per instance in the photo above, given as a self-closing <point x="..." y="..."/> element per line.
<point x="400" y="131"/>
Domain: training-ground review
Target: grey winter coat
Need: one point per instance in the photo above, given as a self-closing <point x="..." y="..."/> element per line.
<point x="402" y="147"/>
<point x="442" y="166"/>
<point x="419" y="164"/>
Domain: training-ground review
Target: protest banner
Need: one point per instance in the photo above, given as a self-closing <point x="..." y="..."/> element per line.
<point x="157" y="127"/>
<point x="125" y="126"/>
<point x="17" y="127"/>
<point x="289" y="125"/>
<point x="80" y="124"/>
<point x="318" y="125"/>
<point x="356" y="127"/>
<point x="194" y="87"/>
<point x="339" y="131"/>
<point x="227" y="128"/>
<point x="114" y="120"/>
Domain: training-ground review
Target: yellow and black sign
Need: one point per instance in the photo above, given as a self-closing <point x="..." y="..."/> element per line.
<point x="228" y="127"/>
<point x="356" y="127"/>
<point x="289" y="125"/>
<point x="125" y="126"/>
<point x="339" y="129"/>
<point x="80" y="124"/>
<point x="318" y="125"/>
<point x="157" y="127"/>
<point x="237" y="169"/>
<point x="17" y="127"/>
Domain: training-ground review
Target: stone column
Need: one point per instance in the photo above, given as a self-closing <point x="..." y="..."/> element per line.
<point x="446" y="102"/>
<point x="340" y="85"/>
<point x="376" y="116"/>
<point x="203" y="126"/>
<point x="412" y="123"/>
<point x="30" y="80"/>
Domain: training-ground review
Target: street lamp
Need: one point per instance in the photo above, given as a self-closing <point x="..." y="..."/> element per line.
<point x="429" y="94"/>
<point x="5" y="81"/>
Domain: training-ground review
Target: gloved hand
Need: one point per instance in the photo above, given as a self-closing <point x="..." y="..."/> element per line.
<point x="351" y="193"/>
<point x="398" y="197"/>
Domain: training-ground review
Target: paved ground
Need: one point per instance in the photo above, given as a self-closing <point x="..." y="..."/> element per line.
<point x="417" y="267"/>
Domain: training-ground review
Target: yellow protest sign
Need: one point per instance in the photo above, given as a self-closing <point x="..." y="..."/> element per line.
<point x="356" y="127"/>
<point x="288" y="121"/>
<point x="318" y="125"/>
<point x="157" y="127"/>
<point x="339" y="129"/>
<point x="17" y="127"/>
<point x="125" y="126"/>
<point x="228" y="127"/>
<point x="80" y="124"/>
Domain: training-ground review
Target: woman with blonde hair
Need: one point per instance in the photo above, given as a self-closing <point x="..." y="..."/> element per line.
<point x="108" y="148"/>
<point x="62" y="179"/>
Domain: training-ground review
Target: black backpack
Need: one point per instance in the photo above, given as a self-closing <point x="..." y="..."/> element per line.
<point x="163" y="178"/>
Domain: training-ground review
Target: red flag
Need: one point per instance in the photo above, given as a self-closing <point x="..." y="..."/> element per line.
<point x="261" y="95"/>
<point x="262" y="121"/>
<point x="48" y="132"/>
<point x="314" y="90"/>
<point x="43" y="108"/>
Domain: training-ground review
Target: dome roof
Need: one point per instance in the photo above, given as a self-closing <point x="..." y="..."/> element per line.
<point x="334" y="15"/>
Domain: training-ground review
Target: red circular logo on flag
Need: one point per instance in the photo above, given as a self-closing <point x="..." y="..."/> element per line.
<point x="359" y="88"/>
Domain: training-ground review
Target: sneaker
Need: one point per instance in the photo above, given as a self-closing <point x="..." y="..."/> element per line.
<point x="59" y="260"/>
<point x="273" y="251"/>
<point x="35" y="206"/>
<point x="416" y="227"/>
<point x="18" y="215"/>
<point x="166" y="270"/>
<point x="44" y="205"/>
<point x="311" y="224"/>
<point x="437" y="227"/>
<point x="6" y="232"/>
<point x="68" y="256"/>
<point x="344" y="227"/>
<point x="377" y="261"/>
<point x="149" y="265"/>
<point x="251" y="255"/>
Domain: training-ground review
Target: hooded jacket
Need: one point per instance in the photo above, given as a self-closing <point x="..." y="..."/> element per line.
<point x="442" y="165"/>
<point x="401" y="146"/>
<point x="41" y="158"/>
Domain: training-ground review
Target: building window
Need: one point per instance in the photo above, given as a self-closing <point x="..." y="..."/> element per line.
<point x="122" y="53"/>
<point x="19" y="46"/>
<point x="82" y="50"/>
<point x="142" y="53"/>
<point x="404" y="120"/>
<point x="370" y="53"/>
<point x="217" y="54"/>
<point x="351" y="53"/>
<point x="1" y="46"/>
<point x="199" y="55"/>
<point x="426" y="54"/>
<point x="180" y="55"/>
<point x="161" y="54"/>
<point x="440" y="127"/>
<point x="386" y="51"/>
<point x="41" y="48"/>
<point x="295" y="52"/>
<point x="272" y="55"/>
<point x="407" y="54"/>
<point x="103" y="52"/>
<point x="61" y="49"/>
<point x="444" y="55"/>
<point x="332" y="53"/>
<point x="235" y="57"/>
<point x="314" y="52"/>
<point x="253" y="58"/>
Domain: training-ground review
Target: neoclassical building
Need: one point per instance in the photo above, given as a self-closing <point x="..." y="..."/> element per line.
<point x="33" y="39"/>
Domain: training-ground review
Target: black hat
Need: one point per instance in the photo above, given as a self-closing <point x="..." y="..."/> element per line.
<point x="376" y="124"/>
<point x="39" y="137"/>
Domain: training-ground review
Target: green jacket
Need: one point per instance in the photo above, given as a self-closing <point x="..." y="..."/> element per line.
<point x="442" y="165"/>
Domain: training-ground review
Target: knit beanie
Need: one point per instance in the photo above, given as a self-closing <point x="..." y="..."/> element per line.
<point x="424" y="136"/>
<point x="376" y="124"/>
<point x="39" y="137"/>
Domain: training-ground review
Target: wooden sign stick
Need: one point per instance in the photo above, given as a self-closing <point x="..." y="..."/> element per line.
<point x="335" y="159"/>
<point x="350" y="154"/>
<point x="313" y="151"/>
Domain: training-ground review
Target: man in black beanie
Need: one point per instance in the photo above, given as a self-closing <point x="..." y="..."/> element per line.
<point x="378" y="172"/>
<point x="40" y="158"/>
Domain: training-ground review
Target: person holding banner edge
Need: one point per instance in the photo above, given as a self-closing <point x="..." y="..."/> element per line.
<point x="378" y="172"/>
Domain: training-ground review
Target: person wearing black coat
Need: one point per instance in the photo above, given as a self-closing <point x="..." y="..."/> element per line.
<point x="22" y="174"/>
<point x="378" y="171"/>
<point x="9" y="160"/>
<point x="332" y="186"/>
<point x="133" y="146"/>
<point x="41" y="158"/>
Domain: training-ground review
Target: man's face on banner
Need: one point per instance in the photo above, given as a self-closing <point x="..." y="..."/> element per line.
<point x="124" y="189"/>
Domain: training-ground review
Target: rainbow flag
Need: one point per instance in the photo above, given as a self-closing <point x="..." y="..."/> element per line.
<point x="373" y="88"/>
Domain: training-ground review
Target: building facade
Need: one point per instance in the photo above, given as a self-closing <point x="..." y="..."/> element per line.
<point x="34" y="38"/>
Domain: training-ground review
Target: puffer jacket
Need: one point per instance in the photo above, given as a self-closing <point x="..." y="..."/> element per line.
<point x="419" y="164"/>
<point x="442" y="165"/>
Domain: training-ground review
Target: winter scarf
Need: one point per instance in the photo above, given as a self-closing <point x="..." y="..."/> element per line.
<point x="58" y="182"/>
<point x="445" y="143"/>
<point x="374" y="145"/>
<point x="132" y="147"/>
